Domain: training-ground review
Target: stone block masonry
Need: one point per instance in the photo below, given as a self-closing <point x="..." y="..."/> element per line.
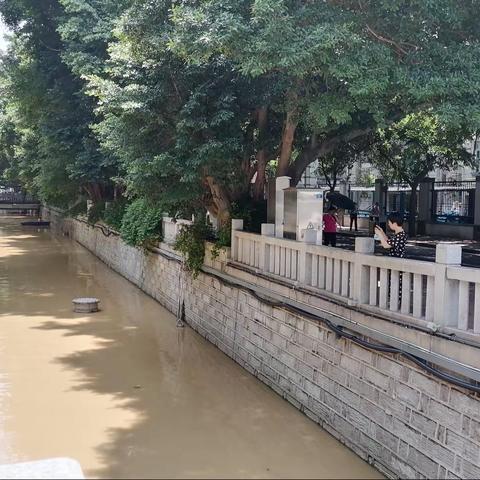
<point x="404" y="421"/>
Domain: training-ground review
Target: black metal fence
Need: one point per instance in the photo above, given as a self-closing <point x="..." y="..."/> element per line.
<point x="14" y="194"/>
<point x="453" y="202"/>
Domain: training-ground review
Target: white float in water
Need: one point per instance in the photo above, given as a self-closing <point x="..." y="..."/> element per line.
<point x="85" y="305"/>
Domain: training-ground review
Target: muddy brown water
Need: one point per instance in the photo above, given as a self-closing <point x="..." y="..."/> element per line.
<point x="124" y="391"/>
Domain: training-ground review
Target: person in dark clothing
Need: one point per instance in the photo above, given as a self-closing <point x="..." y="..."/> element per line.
<point x="396" y="246"/>
<point x="397" y="243"/>
<point x="354" y="217"/>
<point x="376" y="212"/>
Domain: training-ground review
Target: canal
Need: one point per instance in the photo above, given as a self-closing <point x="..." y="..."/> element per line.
<point x="125" y="392"/>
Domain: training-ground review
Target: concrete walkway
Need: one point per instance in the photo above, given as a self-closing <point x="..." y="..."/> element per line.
<point x="470" y="246"/>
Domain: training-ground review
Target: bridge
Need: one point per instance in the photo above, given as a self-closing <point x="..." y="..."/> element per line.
<point x="16" y="201"/>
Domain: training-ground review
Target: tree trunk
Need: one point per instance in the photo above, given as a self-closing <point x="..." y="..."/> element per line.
<point x="412" y="222"/>
<point x="221" y="200"/>
<point x="288" y="135"/>
<point x="261" y="155"/>
<point x="316" y="150"/>
<point x="287" y="145"/>
<point x="333" y="183"/>
<point x="94" y="192"/>
<point x="259" y="185"/>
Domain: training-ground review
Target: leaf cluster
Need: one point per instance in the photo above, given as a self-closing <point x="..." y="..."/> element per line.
<point x="190" y="242"/>
<point x="141" y="223"/>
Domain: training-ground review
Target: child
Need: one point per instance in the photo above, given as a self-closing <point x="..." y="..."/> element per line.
<point x="330" y="227"/>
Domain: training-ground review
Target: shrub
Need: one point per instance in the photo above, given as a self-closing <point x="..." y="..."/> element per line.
<point x="80" y="208"/>
<point x="95" y="213"/>
<point x="142" y="223"/>
<point x="223" y="238"/>
<point x="191" y="243"/>
<point x="252" y="212"/>
<point x="113" y="215"/>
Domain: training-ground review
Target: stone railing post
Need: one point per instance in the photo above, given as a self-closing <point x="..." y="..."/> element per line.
<point x="304" y="265"/>
<point x="237" y="224"/>
<point x="360" y="280"/>
<point x="268" y="230"/>
<point x="169" y="230"/>
<point x="280" y="185"/>
<point x="445" y="298"/>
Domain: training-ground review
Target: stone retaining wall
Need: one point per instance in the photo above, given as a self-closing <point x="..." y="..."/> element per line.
<point x="405" y="422"/>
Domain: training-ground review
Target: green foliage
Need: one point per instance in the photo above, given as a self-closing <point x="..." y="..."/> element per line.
<point x="114" y="213"/>
<point x="223" y="239"/>
<point x="367" y="179"/>
<point x="79" y="208"/>
<point x="335" y="164"/>
<point x="411" y="148"/>
<point x="339" y="70"/>
<point x="184" y="103"/>
<point x="95" y="214"/>
<point x="53" y="150"/>
<point x="171" y="124"/>
<point x="142" y="223"/>
<point x="190" y="242"/>
<point x="252" y="212"/>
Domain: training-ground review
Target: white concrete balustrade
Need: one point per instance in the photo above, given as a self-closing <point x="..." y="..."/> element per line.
<point x="441" y="293"/>
<point x="171" y="228"/>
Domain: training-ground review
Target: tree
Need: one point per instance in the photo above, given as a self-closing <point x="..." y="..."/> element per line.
<point x="186" y="104"/>
<point x="416" y="145"/>
<point x="57" y="154"/>
<point x="8" y="140"/>
<point x="186" y="136"/>
<point x="339" y="69"/>
<point x="333" y="165"/>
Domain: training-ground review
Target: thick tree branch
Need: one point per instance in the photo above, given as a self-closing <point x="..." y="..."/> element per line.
<point x="288" y="134"/>
<point x="220" y="199"/>
<point x="398" y="46"/>
<point x="315" y="150"/>
<point x="261" y="155"/>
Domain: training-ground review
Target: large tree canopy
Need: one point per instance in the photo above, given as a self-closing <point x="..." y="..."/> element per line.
<point x="56" y="152"/>
<point x="188" y="104"/>
<point x="341" y="68"/>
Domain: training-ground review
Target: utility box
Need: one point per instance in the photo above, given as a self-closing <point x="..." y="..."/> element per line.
<point x="303" y="209"/>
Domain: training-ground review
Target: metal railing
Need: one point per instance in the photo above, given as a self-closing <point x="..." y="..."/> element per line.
<point x="453" y="202"/>
<point x="10" y="195"/>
